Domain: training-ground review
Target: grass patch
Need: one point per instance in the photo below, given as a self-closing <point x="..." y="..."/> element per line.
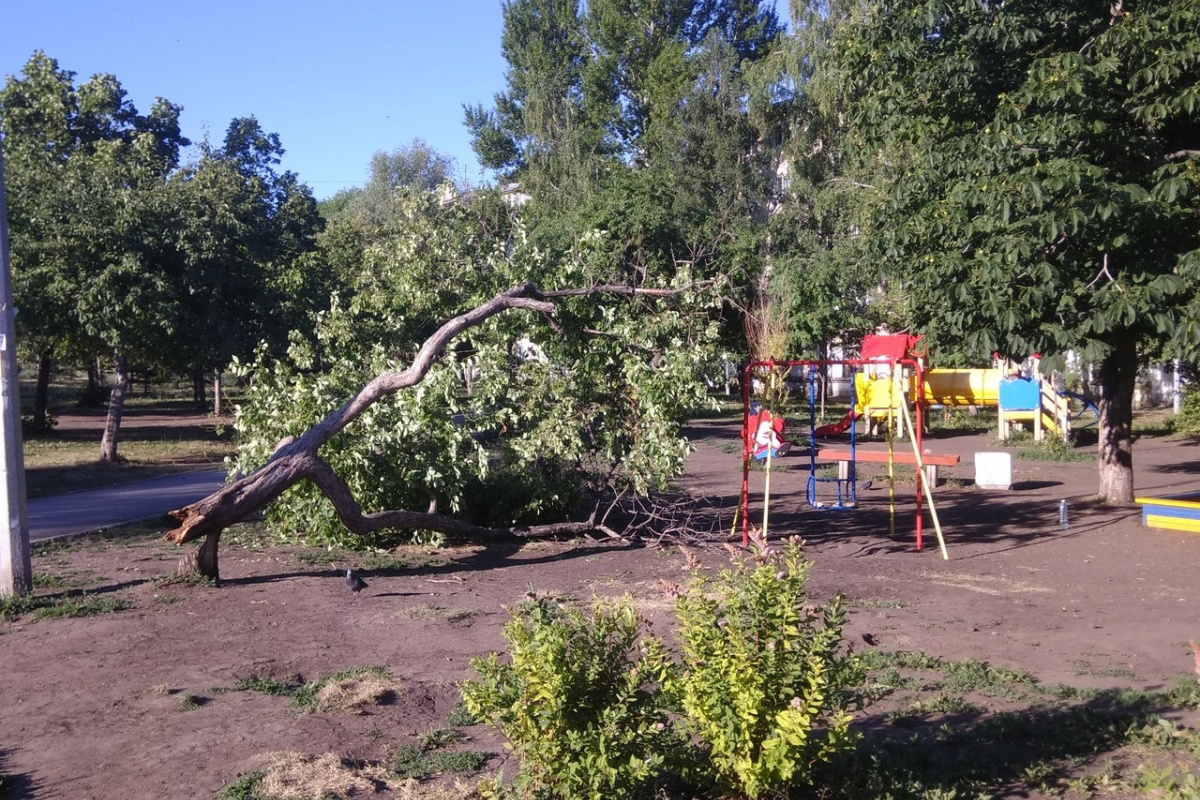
<point x="432" y="611"/>
<point x="429" y="756"/>
<point x="350" y="690"/>
<point x="940" y="743"/>
<point x="191" y="579"/>
<point x="70" y="604"/>
<point x="1081" y="667"/>
<point x="412" y="762"/>
<point x="961" y="419"/>
<point x="318" y="557"/>
<point x="295" y="776"/>
<point x="266" y="685"/>
<point x="460" y="717"/>
<point x="190" y="702"/>
<point x="1051" y="448"/>
<point x="69" y="579"/>
<point x="887" y="602"/>
<point x="246" y="787"/>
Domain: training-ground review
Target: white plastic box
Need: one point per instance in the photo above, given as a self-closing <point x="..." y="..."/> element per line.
<point x="993" y="470"/>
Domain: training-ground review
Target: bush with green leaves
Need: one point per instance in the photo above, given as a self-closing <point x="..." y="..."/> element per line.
<point x="764" y="682"/>
<point x="542" y="419"/>
<point x="595" y="706"/>
<point x="1188" y="419"/>
<point x="579" y="699"/>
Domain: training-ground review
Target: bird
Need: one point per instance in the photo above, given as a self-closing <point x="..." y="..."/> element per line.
<point x="354" y="583"/>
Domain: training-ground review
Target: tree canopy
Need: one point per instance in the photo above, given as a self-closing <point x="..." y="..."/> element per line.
<point x="118" y="247"/>
<point x="1043" y="165"/>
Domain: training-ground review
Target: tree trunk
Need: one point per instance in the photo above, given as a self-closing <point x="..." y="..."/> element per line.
<point x="1118" y="378"/>
<point x="217" y="393"/>
<point x="202" y="560"/>
<point x="116" y="407"/>
<point x="41" y="396"/>
<point x="199" y="388"/>
<point x="95" y="384"/>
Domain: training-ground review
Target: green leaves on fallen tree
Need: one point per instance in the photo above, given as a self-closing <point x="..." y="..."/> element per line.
<point x="524" y="420"/>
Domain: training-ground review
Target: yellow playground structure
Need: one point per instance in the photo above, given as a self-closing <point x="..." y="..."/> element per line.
<point x="1018" y="396"/>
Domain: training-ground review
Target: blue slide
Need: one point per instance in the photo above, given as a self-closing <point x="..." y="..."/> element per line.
<point x="1086" y="407"/>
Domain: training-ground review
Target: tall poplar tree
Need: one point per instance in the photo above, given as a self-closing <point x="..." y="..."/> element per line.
<point x="627" y="120"/>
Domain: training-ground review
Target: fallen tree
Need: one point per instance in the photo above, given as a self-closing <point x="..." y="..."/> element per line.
<point x="297" y="459"/>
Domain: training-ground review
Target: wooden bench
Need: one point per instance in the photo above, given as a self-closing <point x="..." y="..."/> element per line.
<point x="844" y="457"/>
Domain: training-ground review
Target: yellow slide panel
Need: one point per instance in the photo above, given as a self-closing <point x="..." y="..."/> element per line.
<point x="962" y="387"/>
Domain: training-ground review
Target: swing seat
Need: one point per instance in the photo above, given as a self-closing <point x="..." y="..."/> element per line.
<point x="782" y="450"/>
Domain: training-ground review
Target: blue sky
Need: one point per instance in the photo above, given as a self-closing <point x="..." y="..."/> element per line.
<point x="337" y="81"/>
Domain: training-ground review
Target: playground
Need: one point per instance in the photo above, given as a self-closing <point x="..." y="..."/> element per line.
<point x="99" y="701"/>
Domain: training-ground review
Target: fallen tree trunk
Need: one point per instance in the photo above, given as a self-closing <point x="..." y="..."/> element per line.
<point x="296" y="459"/>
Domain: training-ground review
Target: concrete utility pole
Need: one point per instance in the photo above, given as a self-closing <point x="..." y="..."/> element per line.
<point x="16" y="572"/>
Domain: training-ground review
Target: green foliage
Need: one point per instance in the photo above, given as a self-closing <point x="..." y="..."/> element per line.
<point x="246" y="787"/>
<point x="579" y="700"/>
<point x="430" y="757"/>
<point x="1041" y="178"/>
<point x="1188" y="419"/>
<point x="518" y="422"/>
<point x="764" y="683"/>
<point x="68" y="604"/>
<point x="593" y="705"/>
<point x="265" y="684"/>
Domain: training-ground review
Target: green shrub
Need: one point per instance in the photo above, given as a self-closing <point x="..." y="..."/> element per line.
<point x="764" y="683"/>
<point x="579" y="700"/>
<point x="595" y="707"/>
<point x="1188" y="419"/>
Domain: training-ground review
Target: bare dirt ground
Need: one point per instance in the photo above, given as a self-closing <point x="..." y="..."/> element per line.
<point x="131" y="704"/>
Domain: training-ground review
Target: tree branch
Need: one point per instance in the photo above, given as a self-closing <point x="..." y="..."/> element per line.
<point x="629" y="291"/>
<point x="295" y="459"/>
<point x="1180" y="155"/>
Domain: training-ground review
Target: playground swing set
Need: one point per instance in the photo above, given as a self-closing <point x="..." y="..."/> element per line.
<point x="877" y="391"/>
<point x="891" y="386"/>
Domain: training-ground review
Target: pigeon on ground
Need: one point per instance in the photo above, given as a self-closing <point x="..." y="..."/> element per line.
<point x="354" y="583"/>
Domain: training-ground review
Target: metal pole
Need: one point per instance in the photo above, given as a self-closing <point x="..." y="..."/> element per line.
<point x="16" y="572"/>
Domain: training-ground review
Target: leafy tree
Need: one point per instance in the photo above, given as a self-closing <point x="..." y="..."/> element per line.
<point x="1045" y="166"/>
<point x="627" y="119"/>
<point x="86" y="174"/>
<point x="827" y="284"/>
<point x="242" y="234"/>
<point x="416" y="166"/>
<point x="117" y="248"/>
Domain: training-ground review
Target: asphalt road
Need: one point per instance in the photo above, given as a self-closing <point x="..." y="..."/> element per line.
<point x="94" y="509"/>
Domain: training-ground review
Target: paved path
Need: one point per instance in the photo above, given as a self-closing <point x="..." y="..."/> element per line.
<point x="81" y="512"/>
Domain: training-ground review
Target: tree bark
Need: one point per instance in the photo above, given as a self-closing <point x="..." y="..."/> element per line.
<point x="199" y="388"/>
<point x="41" y="396"/>
<point x="116" y="408"/>
<point x="1118" y="379"/>
<point x="296" y="459"/>
<point x="95" y="387"/>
